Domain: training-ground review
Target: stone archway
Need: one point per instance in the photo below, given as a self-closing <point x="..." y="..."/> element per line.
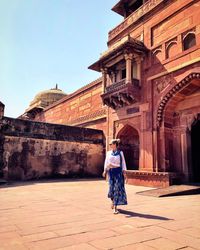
<point x="130" y="146"/>
<point x="195" y="150"/>
<point x="175" y="114"/>
<point x="188" y="85"/>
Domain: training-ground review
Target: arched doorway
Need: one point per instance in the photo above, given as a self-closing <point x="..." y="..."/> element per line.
<point x="195" y="150"/>
<point x="177" y="139"/>
<point x="130" y="146"/>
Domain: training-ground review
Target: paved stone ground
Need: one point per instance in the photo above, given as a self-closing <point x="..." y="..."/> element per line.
<point x="77" y="215"/>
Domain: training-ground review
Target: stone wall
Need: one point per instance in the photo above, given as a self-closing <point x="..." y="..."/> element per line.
<point x="82" y="108"/>
<point x="32" y="150"/>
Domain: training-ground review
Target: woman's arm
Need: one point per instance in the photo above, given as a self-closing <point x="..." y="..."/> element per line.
<point x="106" y="164"/>
<point x="123" y="161"/>
<point x="124" y="168"/>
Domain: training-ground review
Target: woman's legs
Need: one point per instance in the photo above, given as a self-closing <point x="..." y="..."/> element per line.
<point x="115" y="210"/>
<point x="112" y="204"/>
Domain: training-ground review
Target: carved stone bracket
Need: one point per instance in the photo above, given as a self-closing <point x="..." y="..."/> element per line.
<point x="121" y="94"/>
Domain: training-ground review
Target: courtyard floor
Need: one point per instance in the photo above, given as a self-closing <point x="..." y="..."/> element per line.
<point x="77" y="215"/>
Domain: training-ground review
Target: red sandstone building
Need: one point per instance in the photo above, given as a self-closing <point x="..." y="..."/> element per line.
<point x="149" y="93"/>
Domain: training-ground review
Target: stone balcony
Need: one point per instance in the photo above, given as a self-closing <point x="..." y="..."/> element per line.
<point x="122" y="93"/>
<point x="134" y="17"/>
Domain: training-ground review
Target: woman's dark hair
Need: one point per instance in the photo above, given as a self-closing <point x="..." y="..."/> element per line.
<point x="115" y="141"/>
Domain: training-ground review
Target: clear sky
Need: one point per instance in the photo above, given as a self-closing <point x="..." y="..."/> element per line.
<point x="44" y="42"/>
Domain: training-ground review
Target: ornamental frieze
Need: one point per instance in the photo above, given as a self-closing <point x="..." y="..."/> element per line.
<point x="90" y="117"/>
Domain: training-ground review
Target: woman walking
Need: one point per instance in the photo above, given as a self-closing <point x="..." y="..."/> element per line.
<point x="115" y="166"/>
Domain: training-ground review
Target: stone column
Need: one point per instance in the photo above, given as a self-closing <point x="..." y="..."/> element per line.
<point x="104" y="80"/>
<point x="138" y="60"/>
<point x="113" y="77"/>
<point x="155" y="147"/>
<point x="128" y="58"/>
<point x="184" y="154"/>
<point x="161" y="147"/>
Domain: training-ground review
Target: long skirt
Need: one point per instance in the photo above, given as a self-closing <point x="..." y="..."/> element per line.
<point x="117" y="191"/>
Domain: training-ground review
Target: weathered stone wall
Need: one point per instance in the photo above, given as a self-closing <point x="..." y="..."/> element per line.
<point x="35" y="150"/>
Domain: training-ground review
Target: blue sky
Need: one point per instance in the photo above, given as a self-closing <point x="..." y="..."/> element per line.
<point x="44" y="42"/>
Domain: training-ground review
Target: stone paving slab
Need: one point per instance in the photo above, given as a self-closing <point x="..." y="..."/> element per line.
<point x="70" y="214"/>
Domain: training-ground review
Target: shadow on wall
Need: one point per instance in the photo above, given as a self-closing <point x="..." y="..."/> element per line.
<point x="12" y="183"/>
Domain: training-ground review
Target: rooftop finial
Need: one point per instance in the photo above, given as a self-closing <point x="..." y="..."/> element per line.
<point x="56" y="86"/>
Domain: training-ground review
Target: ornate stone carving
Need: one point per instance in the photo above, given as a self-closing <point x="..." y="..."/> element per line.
<point x="98" y="114"/>
<point x="161" y="83"/>
<point x="173" y="92"/>
<point x="121" y="94"/>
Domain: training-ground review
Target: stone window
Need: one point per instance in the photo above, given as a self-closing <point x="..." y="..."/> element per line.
<point x="189" y="40"/>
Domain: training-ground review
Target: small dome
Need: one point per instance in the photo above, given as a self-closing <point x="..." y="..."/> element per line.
<point x="46" y="98"/>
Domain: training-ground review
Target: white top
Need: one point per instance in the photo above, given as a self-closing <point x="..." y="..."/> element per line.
<point x="114" y="160"/>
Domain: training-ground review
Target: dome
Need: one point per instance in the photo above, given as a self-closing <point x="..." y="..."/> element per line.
<point x="46" y="98"/>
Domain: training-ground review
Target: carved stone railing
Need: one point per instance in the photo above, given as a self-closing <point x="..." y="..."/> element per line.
<point x="115" y="86"/>
<point x="144" y="9"/>
<point x="119" y="85"/>
<point x="122" y="94"/>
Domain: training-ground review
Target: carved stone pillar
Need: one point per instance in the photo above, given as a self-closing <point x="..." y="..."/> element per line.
<point x="161" y="147"/>
<point x="128" y="58"/>
<point x="155" y="147"/>
<point x="185" y="144"/>
<point x="113" y="77"/>
<point x="104" y="79"/>
<point x="139" y="63"/>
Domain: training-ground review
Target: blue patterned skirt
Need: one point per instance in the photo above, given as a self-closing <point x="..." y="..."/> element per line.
<point x="117" y="191"/>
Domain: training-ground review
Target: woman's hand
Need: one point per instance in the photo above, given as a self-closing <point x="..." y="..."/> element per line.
<point x="104" y="174"/>
<point x="125" y="177"/>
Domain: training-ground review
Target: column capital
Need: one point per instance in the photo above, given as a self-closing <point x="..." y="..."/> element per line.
<point x="104" y="70"/>
<point x="128" y="56"/>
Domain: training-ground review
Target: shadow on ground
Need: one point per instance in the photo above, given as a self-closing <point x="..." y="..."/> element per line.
<point x="146" y="216"/>
<point x="11" y="184"/>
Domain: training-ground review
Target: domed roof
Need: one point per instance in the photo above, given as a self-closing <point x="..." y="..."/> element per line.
<point x="46" y="98"/>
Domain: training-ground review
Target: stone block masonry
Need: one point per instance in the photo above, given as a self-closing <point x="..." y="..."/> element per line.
<point x="33" y="150"/>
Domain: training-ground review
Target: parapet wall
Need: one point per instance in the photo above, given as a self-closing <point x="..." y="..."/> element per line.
<point x="32" y="150"/>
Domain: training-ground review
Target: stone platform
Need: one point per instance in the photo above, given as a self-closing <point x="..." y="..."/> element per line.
<point x="151" y="179"/>
<point x="174" y="190"/>
<point x="76" y="215"/>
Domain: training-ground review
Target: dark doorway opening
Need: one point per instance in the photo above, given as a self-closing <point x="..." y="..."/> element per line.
<point x="130" y="146"/>
<point x="195" y="147"/>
